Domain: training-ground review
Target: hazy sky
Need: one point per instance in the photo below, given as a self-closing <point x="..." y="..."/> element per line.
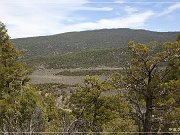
<point x="26" y="18"/>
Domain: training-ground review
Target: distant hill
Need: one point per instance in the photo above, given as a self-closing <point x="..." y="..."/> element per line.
<point x="74" y="43"/>
<point x="84" y="59"/>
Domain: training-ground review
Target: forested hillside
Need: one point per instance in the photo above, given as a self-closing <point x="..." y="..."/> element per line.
<point x="140" y="97"/>
<point x="84" y="59"/>
<point x="86" y="48"/>
<point x="85" y="40"/>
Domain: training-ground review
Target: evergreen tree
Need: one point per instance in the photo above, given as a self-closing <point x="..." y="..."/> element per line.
<point x="178" y="38"/>
<point x="92" y="104"/>
<point x="21" y="106"/>
<point x="149" y="87"/>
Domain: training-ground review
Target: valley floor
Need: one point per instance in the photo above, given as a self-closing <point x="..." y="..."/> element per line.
<point x="41" y="76"/>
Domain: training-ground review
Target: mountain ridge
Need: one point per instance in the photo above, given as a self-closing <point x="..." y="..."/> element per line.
<point x="86" y="40"/>
<point x="50" y="50"/>
<point x="96" y="30"/>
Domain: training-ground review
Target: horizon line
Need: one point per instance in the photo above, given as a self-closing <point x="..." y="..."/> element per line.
<point x="93" y="30"/>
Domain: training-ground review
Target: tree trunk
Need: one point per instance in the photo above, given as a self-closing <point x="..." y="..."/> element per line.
<point x="147" y="123"/>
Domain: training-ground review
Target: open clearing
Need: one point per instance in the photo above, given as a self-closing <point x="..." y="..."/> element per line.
<point x="48" y="76"/>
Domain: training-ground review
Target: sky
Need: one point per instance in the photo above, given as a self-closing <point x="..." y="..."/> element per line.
<point x="28" y="18"/>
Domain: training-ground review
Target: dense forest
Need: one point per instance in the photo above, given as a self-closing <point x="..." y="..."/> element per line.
<point x="141" y="98"/>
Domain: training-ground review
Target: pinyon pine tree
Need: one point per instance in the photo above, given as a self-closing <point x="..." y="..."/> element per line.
<point x="21" y="109"/>
<point x="150" y="83"/>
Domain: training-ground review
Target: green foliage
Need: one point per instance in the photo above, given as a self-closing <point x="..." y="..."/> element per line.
<point x="86" y="49"/>
<point x="88" y="40"/>
<point x="143" y="96"/>
<point x="178" y="38"/>
<point x="150" y="83"/>
<point x="89" y="103"/>
<point x="22" y="107"/>
<point x="57" y="117"/>
<point x="174" y="63"/>
<point x="13" y="75"/>
<point x="90" y="58"/>
<point x="120" y="125"/>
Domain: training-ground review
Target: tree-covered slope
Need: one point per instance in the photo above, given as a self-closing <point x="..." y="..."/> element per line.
<point x="90" y="58"/>
<point x="85" y="40"/>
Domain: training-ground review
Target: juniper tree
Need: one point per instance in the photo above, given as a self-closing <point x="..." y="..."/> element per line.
<point x="19" y="101"/>
<point x="91" y="103"/>
<point x="149" y="87"/>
